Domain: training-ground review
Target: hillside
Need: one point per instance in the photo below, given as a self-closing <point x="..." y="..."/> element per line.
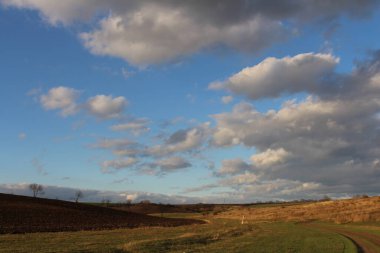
<point x="21" y="214"/>
<point x="338" y="211"/>
<point x="150" y="208"/>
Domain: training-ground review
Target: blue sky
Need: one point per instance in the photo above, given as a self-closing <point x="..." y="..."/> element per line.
<point x="70" y="74"/>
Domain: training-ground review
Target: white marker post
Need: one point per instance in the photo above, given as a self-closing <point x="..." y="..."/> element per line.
<point x="242" y="220"/>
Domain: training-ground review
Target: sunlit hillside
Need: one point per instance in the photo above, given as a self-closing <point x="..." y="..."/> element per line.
<point x="338" y="211"/>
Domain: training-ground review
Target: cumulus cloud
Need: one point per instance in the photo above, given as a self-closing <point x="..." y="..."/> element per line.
<point x="156" y="159"/>
<point x="247" y="188"/>
<point x="100" y="106"/>
<point x="305" y="145"/>
<point x="111" y="165"/>
<point x="184" y="140"/>
<point x="135" y="126"/>
<point x="329" y="138"/>
<point x="171" y="164"/>
<point x="121" y="147"/>
<point x="149" y="32"/>
<point x="247" y="178"/>
<point x="163" y="166"/>
<point x="181" y="141"/>
<point x="274" y="77"/>
<point x="64" y="12"/>
<point x="107" y="143"/>
<point x="61" y="98"/>
<point x="233" y="167"/>
<point x="270" y="157"/>
<point x="133" y="151"/>
<point x="284" y="189"/>
<point x="144" y="37"/>
<point x="106" y="107"/>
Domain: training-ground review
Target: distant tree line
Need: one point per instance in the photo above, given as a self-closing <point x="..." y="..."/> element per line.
<point x="38" y="189"/>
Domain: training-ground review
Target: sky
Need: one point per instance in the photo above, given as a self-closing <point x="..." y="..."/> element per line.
<point x="190" y="101"/>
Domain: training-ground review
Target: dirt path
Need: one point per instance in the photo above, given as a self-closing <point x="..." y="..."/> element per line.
<point x="364" y="241"/>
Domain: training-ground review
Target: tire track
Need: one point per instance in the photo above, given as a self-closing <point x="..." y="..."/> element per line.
<point x="364" y="241"/>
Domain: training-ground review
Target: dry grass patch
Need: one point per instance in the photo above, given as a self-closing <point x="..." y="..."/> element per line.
<point x="337" y="211"/>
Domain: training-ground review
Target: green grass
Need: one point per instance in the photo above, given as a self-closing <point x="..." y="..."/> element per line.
<point x="367" y="227"/>
<point x="366" y="234"/>
<point x="219" y="235"/>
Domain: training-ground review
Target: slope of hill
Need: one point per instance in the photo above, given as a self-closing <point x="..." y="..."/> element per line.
<point x="21" y="214"/>
<point x="338" y="211"/>
<point x="150" y="208"/>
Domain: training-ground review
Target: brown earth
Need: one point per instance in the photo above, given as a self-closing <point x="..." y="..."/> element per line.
<point x="150" y="208"/>
<point x="337" y="211"/>
<point x="21" y="214"/>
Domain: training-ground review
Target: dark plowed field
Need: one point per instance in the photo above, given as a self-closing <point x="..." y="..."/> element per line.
<point x="161" y="208"/>
<point x="20" y="214"/>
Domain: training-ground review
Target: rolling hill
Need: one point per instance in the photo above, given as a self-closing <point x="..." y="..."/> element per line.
<point x="21" y="214"/>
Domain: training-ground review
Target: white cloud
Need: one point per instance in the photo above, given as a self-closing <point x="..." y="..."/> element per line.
<point x="113" y="143"/>
<point x="233" y="167"/>
<point x="163" y="166"/>
<point x="182" y="141"/>
<point x="247" y="126"/>
<point x="317" y="139"/>
<point x="149" y="32"/>
<point x="106" y="107"/>
<point x="332" y="133"/>
<point x="273" y="77"/>
<point x="270" y="157"/>
<point x="143" y="37"/>
<point x="136" y="126"/>
<point x="111" y="165"/>
<point x="172" y="164"/>
<point x="100" y="106"/>
<point x="247" y="188"/>
<point x="283" y="189"/>
<point x="130" y="151"/>
<point x="247" y="178"/>
<point x="61" y="98"/>
<point x="58" y="12"/>
<point x="227" y="99"/>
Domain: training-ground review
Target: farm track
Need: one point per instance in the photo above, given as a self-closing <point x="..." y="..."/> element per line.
<point x="365" y="242"/>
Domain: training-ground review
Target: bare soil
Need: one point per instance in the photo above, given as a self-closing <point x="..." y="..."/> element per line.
<point x="150" y="208"/>
<point x="21" y="214"/>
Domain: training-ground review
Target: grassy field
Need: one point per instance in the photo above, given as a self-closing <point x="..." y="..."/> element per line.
<point x="336" y="211"/>
<point x="283" y="227"/>
<point x="365" y="235"/>
<point x="219" y="235"/>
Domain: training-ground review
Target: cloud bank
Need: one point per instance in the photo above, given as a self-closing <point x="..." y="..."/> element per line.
<point x="329" y="139"/>
<point x="151" y="32"/>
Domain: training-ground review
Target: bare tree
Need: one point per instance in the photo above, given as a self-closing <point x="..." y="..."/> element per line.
<point x="78" y="195"/>
<point x="36" y="189"/>
<point x="106" y="202"/>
